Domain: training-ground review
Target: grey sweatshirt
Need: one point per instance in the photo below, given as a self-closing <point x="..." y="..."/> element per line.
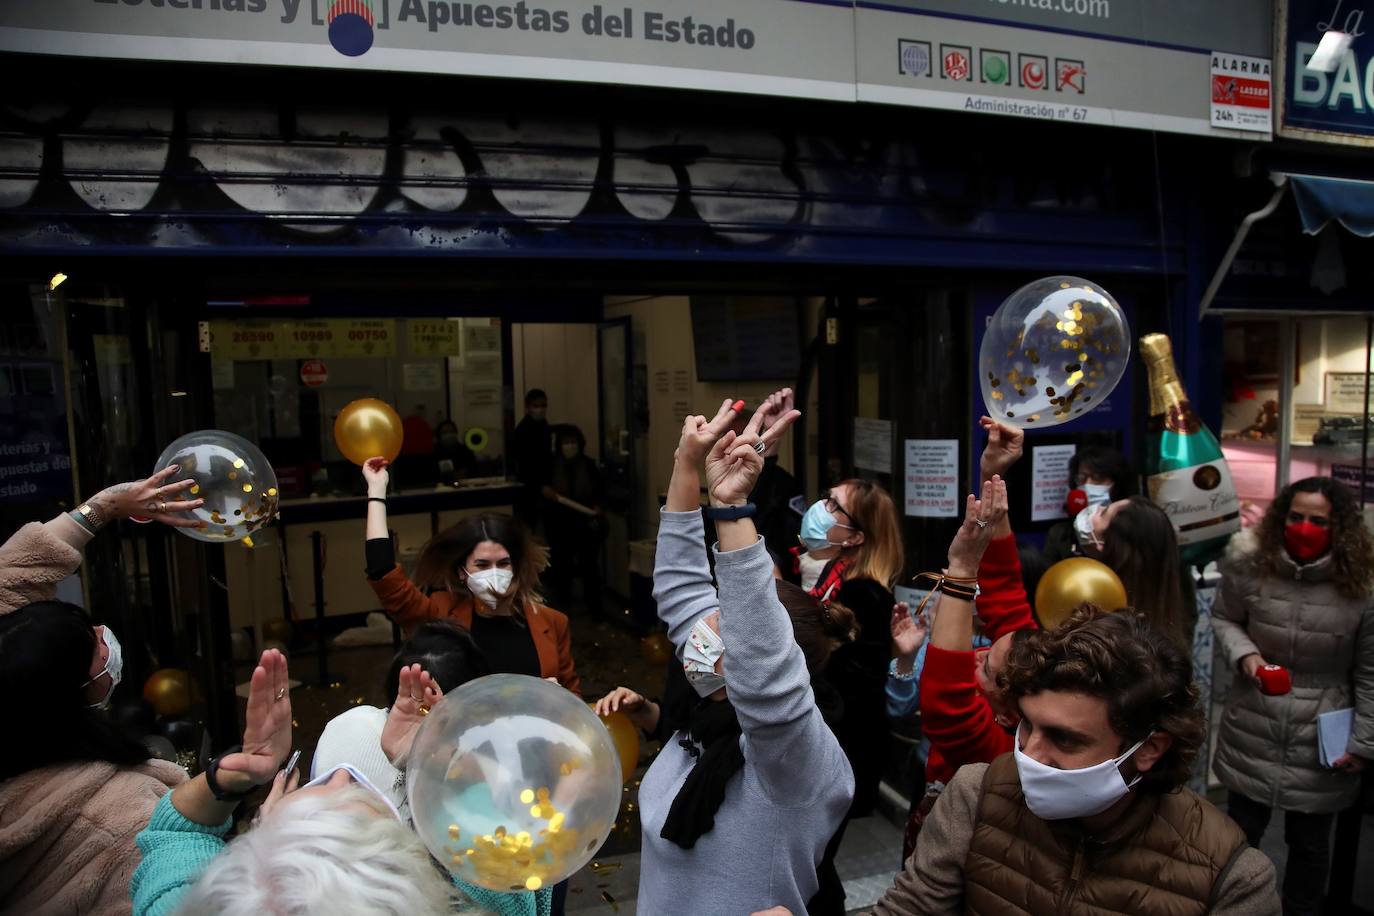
<point x="784" y="805"/>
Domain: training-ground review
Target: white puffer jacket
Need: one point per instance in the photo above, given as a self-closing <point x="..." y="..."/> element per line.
<point x="1267" y="745"/>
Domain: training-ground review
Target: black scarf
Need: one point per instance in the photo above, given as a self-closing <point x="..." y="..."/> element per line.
<point x="714" y="725"/>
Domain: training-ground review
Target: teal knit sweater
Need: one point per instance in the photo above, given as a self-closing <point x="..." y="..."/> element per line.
<point x="176" y="851"/>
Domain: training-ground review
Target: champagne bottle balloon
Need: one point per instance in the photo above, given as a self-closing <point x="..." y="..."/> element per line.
<point x="1186" y="472"/>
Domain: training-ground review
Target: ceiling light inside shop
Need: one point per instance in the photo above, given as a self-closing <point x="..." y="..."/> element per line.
<point x="1330" y="51"/>
<point x="178" y="394"/>
<point x="57" y="280"/>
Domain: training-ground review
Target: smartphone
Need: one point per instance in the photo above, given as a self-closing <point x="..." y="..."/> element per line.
<point x="291" y="763"/>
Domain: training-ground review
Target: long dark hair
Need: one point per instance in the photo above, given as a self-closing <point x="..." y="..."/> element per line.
<point x="444" y="649"/>
<point x="442" y="559"/>
<point x="1352" y="552"/>
<point x="45" y="662"/>
<point x="1141" y="548"/>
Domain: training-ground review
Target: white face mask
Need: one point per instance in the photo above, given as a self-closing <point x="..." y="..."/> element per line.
<point x="1083" y="527"/>
<point x="490" y="585"/>
<point x="359" y="778"/>
<point x="1053" y="794"/>
<point x="704" y="647"/>
<point x="114" y="666"/>
<point x="811" y="569"/>
<point x="1099" y="494"/>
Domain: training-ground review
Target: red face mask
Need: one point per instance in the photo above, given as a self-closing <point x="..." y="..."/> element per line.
<point x="1306" y="541"/>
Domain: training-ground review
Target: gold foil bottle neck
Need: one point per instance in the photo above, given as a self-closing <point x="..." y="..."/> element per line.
<point x="1168" y="400"/>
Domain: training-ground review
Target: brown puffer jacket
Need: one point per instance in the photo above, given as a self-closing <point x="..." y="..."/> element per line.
<point x="1267" y="745"/>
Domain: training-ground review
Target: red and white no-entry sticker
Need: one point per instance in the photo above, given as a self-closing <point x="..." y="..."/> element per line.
<point x="314" y="373"/>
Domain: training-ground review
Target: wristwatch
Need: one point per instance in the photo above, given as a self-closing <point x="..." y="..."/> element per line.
<point x="212" y="779"/>
<point x="730" y="513"/>
<point x="92" y="515"/>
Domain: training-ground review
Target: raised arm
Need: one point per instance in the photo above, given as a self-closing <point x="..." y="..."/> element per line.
<point x="187" y="827"/>
<point x="952" y="629"/>
<point x="765" y="672"/>
<point x="954" y="715"/>
<point x="38" y="556"/>
<point x="402" y="601"/>
<point x="683" y="588"/>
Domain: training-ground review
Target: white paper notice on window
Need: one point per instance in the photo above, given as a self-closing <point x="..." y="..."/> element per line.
<point x="932" y="478"/>
<point x="873" y="445"/>
<point x="1050" y="481"/>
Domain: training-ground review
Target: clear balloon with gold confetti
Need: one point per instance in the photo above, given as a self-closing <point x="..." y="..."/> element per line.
<point x="1053" y="351"/>
<point x="514" y="783"/>
<point x="233" y="477"/>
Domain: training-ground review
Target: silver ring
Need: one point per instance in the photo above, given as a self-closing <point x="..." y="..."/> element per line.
<point x="760" y="447"/>
<point x="980" y="523"/>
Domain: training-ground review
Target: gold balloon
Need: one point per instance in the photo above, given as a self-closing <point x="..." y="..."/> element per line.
<point x="169" y="691"/>
<point x="1073" y="582"/>
<point x="626" y="738"/>
<point x="656" y="649"/>
<point x="368" y="428"/>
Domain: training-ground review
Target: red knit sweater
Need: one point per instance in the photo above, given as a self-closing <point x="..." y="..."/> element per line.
<point x="954" y="714"/>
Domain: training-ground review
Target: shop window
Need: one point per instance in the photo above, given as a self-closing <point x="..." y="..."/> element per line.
<point x="1294" y="399"/>
<point x="283" y="383"/>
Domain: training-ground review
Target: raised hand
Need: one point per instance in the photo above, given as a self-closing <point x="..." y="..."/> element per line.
<point x="907" y="632"/>
<point x="699" y="434"/>
<point x="152" y="497"/>
<point x="267" y="732"/>
<point x="376" y="475"/>
<point x="733" y="467"/>
<point x="1005" y="444"/>
<point x="780" y="404"/>
<point x="981" y="517"/>
<point x="416" y="694"/>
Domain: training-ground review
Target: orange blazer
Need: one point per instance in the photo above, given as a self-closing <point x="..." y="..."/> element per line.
<point x="407" y="605"/>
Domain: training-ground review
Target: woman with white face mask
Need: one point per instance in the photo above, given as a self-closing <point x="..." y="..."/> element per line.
<point x="1098" y="477"/>
<point x="76" y="786"/>
<point x="737" y="808"/>
<point x="482" y="573"/>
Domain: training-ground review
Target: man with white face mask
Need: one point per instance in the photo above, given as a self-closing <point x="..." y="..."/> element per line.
<point x="1088" y="814"/>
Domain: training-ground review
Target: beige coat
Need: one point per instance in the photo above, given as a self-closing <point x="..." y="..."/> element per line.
<point x="67" y="835"/>
<point x="36" y="558"/>
<point x="67" y="830"/>
<point x="933" y="880"/>
<point x="1267" y="745"/>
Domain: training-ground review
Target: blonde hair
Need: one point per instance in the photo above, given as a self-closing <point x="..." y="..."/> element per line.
<point x="342" y="853"/>
<point x="881" y="557"/>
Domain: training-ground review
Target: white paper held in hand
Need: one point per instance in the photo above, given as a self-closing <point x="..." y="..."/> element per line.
<point x="1333" y="734"/>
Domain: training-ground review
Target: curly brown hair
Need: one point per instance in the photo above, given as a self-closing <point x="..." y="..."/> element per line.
<point x="1143" y="675"/>
<point x="1352" y="549"/>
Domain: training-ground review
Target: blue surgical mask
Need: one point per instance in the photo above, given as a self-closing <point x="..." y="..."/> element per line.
<point x="816" y="524"/>
<point x="1099" y="494"/>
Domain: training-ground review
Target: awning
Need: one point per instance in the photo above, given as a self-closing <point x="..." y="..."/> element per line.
<point x="1348" y="201"/>
<point x="1319" y="199"/>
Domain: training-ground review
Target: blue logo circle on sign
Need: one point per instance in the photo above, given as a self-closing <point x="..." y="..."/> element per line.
<point x="350" y="34"/>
